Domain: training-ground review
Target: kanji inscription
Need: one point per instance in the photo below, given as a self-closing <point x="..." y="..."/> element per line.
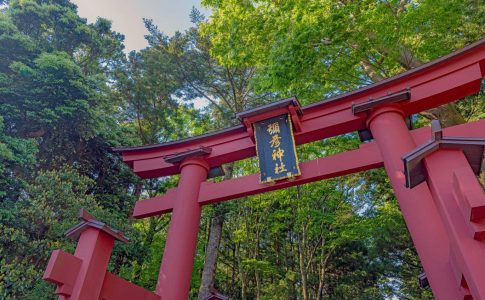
<point x="276" y="149"/>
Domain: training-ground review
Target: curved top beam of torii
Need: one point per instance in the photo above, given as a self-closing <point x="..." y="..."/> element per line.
<point x="441" y="81"/>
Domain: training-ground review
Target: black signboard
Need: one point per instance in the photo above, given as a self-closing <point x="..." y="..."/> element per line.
<point x="276" y="150"/>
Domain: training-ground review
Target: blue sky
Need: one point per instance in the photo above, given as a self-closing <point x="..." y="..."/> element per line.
<point x="126" y="15"/>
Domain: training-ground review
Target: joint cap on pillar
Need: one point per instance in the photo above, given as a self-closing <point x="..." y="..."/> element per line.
<point x="365" y="134"/>
<point x="375" y="103"/>
<point x="436" y="130"/>
<point x="472" y="147"/>
<point x="179" y="157"/>
<point x="194" y="156"/>
<point x="88" y="221"/>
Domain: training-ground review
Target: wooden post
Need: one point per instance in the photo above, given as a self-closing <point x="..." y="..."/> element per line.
<point x="94" y="249"/>
<point x="178" y="257"/>
<point x="419" y="211"/>
<point x="458" y="195"/>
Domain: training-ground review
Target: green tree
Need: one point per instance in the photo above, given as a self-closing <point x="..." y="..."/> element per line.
<point x="56" y="110"/>
<point x="34" y="225"/>
<point x="318" y="48"/>
<point x="17" y="157"/>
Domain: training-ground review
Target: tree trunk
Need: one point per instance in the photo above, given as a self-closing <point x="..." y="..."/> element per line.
<point x="212" y="251"/>
<point x="258" y="284"/>
<point x="370" y="70"/>
<point x="321" y="280"/>
<point x="243" y="287"/>
<point x="448" y="115"/>
<point x="304" y="288"/>
<point x="301" y="254"/>
<point x="242" y="273"/>
<point x="257" y="277"/>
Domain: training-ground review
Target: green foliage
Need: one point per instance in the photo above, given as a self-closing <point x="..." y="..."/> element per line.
<point x="34" y="225"/>
<point x="55" y="110"/>
<point x="53" y="77"/>
<point x="319" y="48"/>
<point x="16" y="156"/>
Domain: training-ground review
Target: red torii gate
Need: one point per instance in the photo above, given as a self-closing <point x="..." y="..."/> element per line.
<point x="445" y="216"/>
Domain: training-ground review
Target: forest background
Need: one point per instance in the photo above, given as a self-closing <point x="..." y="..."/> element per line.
<point x="69" y="93"/>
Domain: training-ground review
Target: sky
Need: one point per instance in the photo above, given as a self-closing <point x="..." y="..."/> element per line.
<point x="127" y="18"/>
<point x="127" y="15"/>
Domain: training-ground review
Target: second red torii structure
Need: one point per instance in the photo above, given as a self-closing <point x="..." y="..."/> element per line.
<point x="435" y="184"/>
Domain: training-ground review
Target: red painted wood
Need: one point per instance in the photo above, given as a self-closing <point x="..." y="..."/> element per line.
<point x="469" y="193"/>
<point x="469" y="197"/>
<point x="468" y="252"/>
<point x="460" y="279"/>
<point x="81" y="276"/>
<point x="365" y="158"/>
<point x="354" y="161"/>
<point x="419" y="211"/>
<point x="295" y="118"/>
<point x="238" y="147"/>
<point x="472" y="129"/>
<point x="268" y="114"/>
<point x="431" y="85"/>
<point x="156" y="205"/>
<point x="330" y="121"/>
<point x="120" y="289"/>
<point x="62" y="270"/>
<point x="178" y="257"/>
<point x="94" y="249"/>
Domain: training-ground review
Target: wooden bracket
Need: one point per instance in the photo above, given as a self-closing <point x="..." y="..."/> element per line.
<point x="414" y="170"/>
<point x="55" y="272"/>
<point x="179" y="157"/>
<point x="249" y="129"/>
<point x="373" y="103"/>
<point x="295" y="118"/>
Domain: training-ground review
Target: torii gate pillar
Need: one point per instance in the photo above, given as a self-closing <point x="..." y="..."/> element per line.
<point x="419" y="211"/>
<point x="178" y="257"/>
